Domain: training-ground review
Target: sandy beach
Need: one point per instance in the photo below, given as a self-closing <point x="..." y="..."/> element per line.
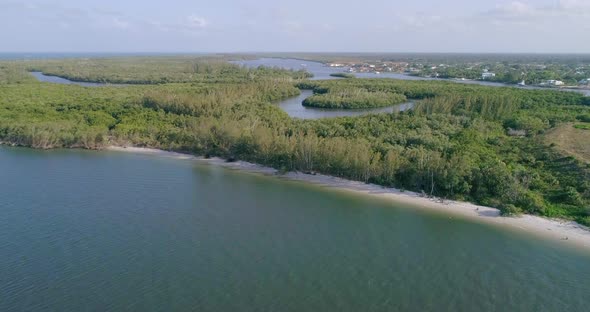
<point x="567" y="232"/>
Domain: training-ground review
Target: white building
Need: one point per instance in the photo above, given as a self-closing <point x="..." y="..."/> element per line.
<point x="487" y="75"/>
<point x="554" y="82"/>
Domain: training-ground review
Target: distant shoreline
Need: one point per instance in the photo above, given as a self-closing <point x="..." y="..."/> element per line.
<point x="568" y="232"/>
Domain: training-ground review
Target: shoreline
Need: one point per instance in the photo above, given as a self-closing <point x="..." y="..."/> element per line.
<point x="551" y="229"/>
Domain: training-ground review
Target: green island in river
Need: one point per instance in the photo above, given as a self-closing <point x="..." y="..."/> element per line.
<point x="487" y="145"/>
<point x="343" y="75"/>
<point x="352" y="98"/>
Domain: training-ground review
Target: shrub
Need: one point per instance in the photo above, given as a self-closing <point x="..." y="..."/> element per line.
<point x="532" y="202"/>
<point x="509" y="210"/>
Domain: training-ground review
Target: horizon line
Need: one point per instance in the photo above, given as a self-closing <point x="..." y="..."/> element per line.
<point x="292" y="52"/>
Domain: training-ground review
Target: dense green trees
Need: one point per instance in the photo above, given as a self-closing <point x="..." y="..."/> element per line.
<point x="455" y="144"/>
<point x="343" y="75"/>
<point x="353" y="98"/>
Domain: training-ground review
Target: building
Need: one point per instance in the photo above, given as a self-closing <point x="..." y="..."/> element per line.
<point x="487" y="75"/>
<point x="585" y="82"/>
<point x="553" y="82"/>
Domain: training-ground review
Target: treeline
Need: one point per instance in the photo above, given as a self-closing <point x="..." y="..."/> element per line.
<point x="159" y="70"/>
<point x="455" y="144"/>
<point x="343" y="75"/>
<point x="570" y="71"/>
<point x="353" y="98"/>
<point x="530" y="110"/>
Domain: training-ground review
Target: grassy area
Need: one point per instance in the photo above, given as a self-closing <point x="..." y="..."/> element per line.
<point x="571" y="139"/>
<point x="584" y="126"/>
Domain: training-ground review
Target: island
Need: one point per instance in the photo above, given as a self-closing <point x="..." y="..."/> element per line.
<point x="343" y="75"/>
<point x="353" y="98"/>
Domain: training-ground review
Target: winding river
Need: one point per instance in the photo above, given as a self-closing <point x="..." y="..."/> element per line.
<point x="294" y="108"/>
<point x="55" y="79"/>
<point x="293" y="105"/>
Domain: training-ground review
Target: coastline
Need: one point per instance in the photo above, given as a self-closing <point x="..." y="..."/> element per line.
<point x="552" y="229"/>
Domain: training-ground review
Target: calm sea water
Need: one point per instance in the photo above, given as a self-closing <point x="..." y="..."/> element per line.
<point x="106" y="231"/>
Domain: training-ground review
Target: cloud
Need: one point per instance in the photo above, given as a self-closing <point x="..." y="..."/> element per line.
<point x="511" y="11"/>
<point x="419" y="20"/>
<point x="570" y="11"/>
<point x="31" y="6"/>
<point x="492" y="26"/>
<point x="574" y="4"/>
<point x="196" y="22"/>
<point x="293" y="26"/>
<point x="119" y="23"/>
<point x="42" y="14"/>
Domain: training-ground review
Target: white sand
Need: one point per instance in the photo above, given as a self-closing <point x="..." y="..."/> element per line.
<point x="553" y="229"/>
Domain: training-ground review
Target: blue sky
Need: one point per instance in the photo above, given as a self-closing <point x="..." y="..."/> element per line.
<point x="540" y="26"/>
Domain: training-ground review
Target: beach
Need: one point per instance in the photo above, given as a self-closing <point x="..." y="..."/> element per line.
<point x="567" y="232"/>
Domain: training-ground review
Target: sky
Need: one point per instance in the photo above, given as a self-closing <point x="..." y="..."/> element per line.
<point x="473" y="26"/>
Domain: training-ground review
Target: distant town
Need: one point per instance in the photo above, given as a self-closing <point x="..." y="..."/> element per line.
<point x="531" y="74"/>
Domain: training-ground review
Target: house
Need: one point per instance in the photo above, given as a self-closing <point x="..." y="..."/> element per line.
<point x="585" y="82"/>
<point x="553" y="82"/>
<point x="516" y="132"/>
<point x="487" y="75"/>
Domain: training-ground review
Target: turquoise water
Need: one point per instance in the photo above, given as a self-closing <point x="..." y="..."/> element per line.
<point x="106" y="231"/>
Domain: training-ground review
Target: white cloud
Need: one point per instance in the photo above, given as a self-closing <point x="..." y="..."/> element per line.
<point x="564" y="12"/>
<point x="574" y="4"/>
<point x="293" y="26"/>
<point x="419" y="20"/>
<point x="31" y="6"/>
<point x="196" y="22"/>
<point x="120" y="23"/>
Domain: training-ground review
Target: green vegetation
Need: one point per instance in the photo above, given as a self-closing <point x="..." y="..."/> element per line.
<point x="509" y="69"/>
<point x="343" y="75"/>
<point x="456" y="143"/>
<point x="353" y="98"/>
<point x="570" y="140"/>
<point x="584" y="126"/>
<point x="156" y="70"/>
